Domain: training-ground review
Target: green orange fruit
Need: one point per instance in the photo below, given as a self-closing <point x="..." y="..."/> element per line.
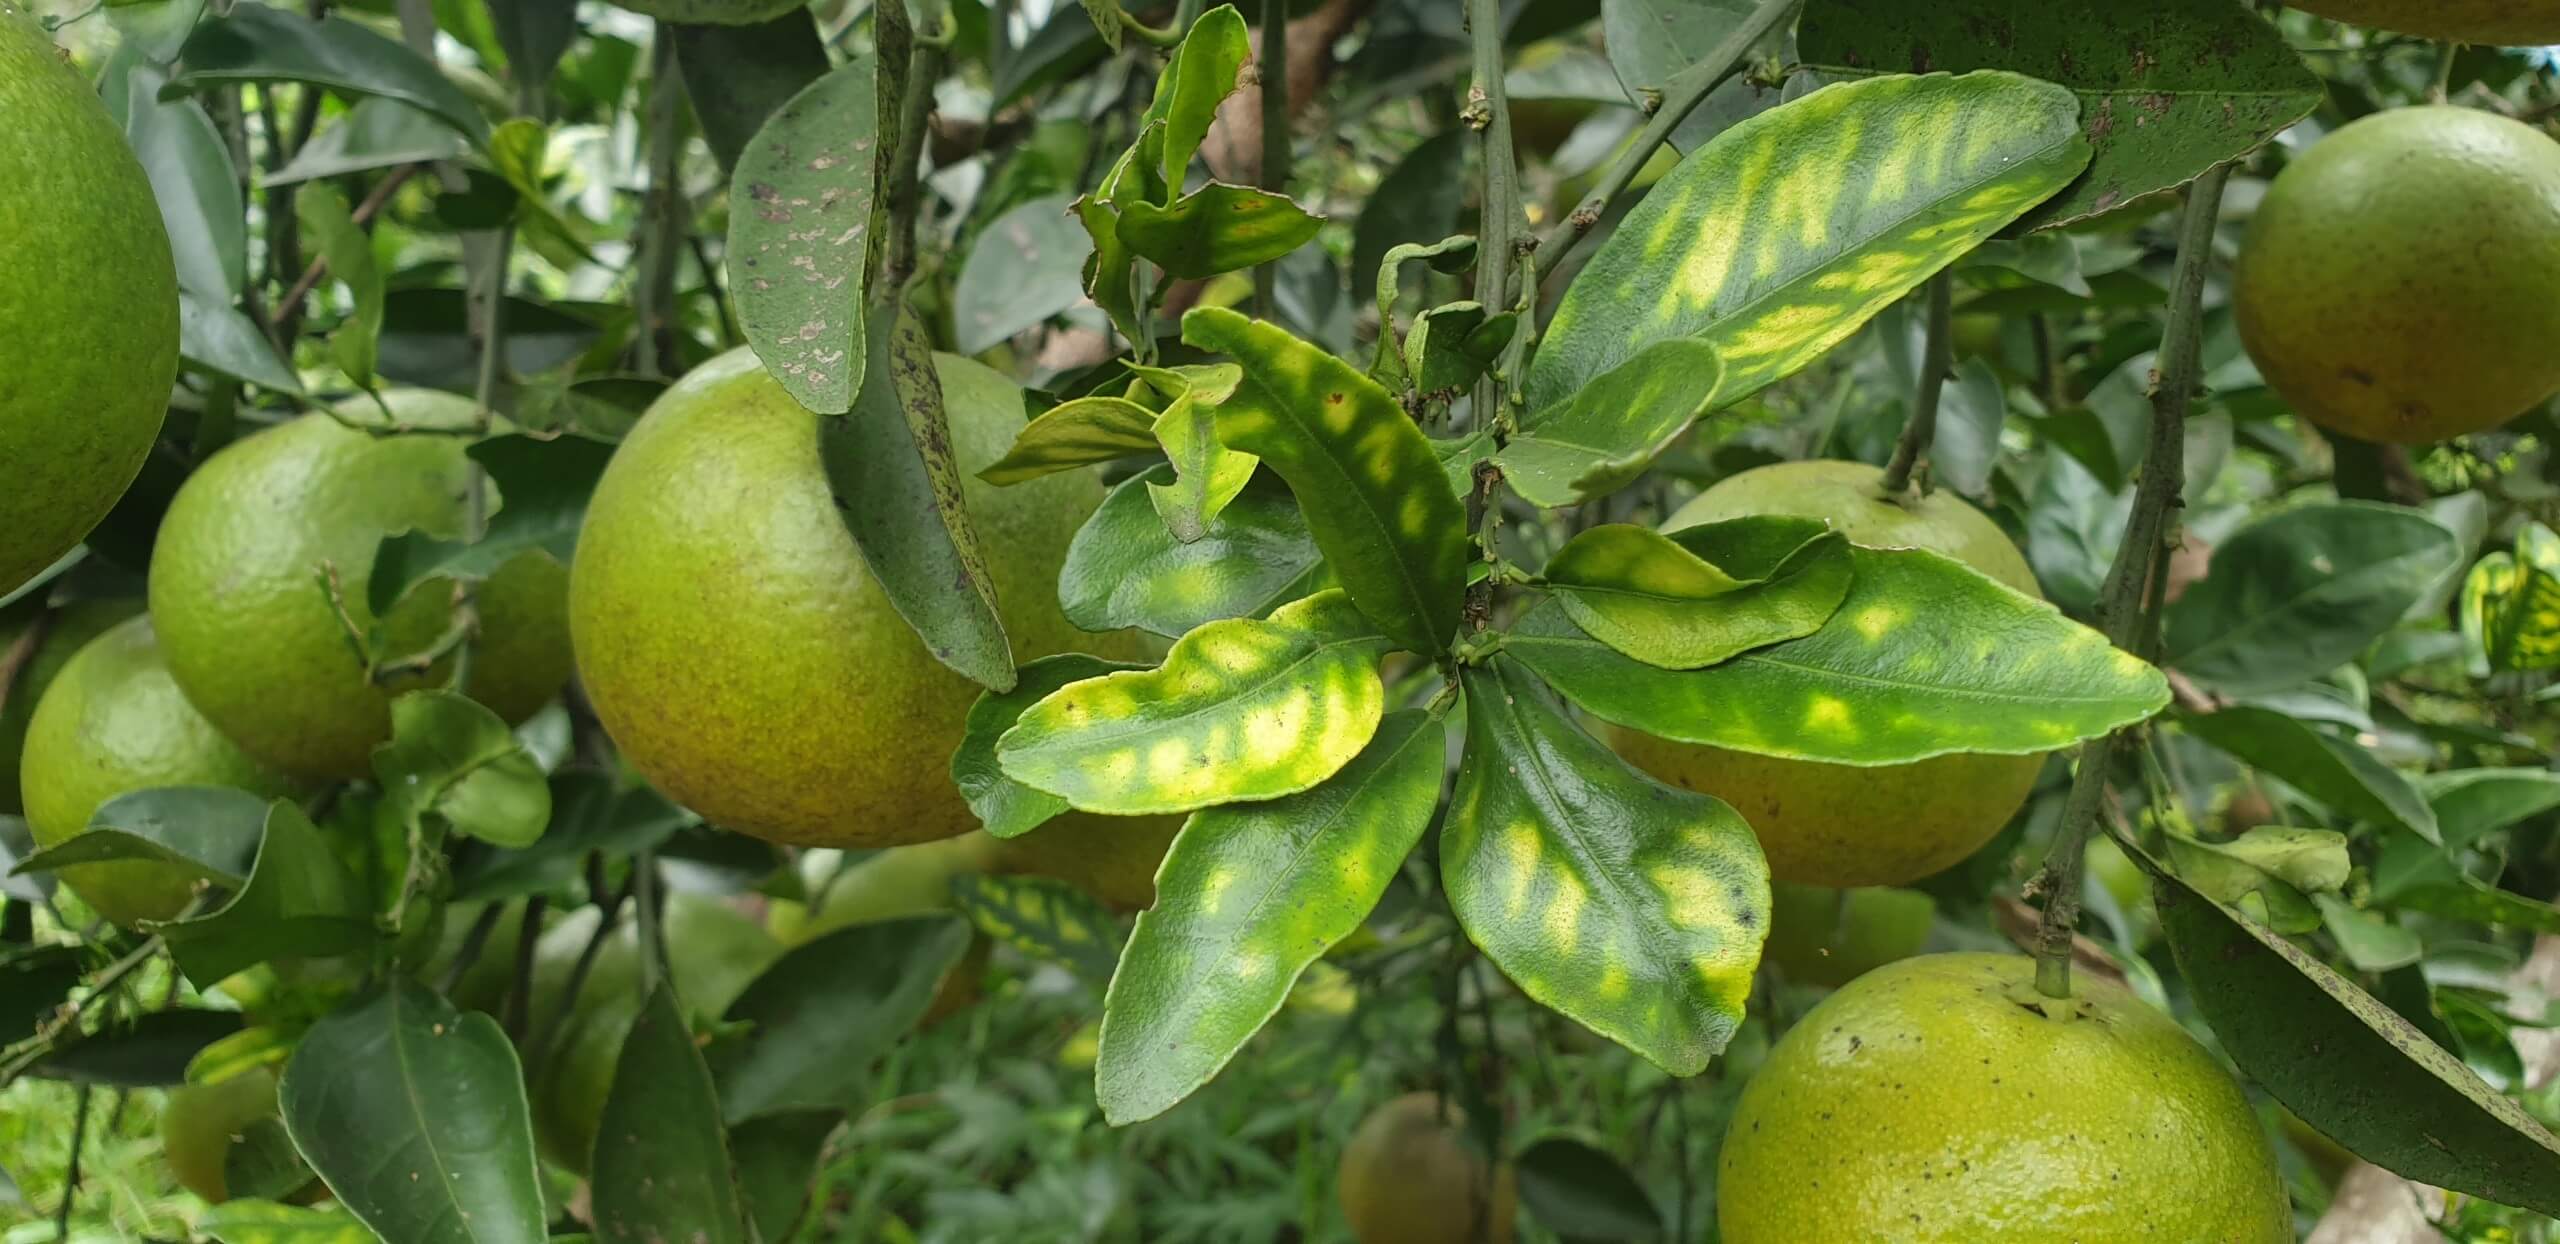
<point x="251" y="630"/>
<point x="66" y="631"/>
<point x="2401" y="279"/>
<point x="1848" y="825"/>
<point x="1822" y="936"/>
<point x="1942" y="1100"/>
<point x="1113" y="858"/>
<point x="2504" y="23"/>
<point x="1410" y="1176"/>
<point x="735" y="644"/>
<point x="88" y="305"/>
<point x="115" y="722"/>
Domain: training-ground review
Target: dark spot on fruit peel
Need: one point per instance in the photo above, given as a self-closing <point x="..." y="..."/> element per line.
<point x="2355" y="375"/>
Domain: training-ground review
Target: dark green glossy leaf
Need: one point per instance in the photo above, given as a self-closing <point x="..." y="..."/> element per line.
<point x="1372" y="491"/>
<point x="542" y="489"/>
<point x="452" y="758"/>
<point x="2338" y="772"/>
<point x="1247" y="897"/>
<point x="1632" y="907"/>
<point x="738" y="76"/>
<point x="211" y="832"/>
<point x="1025" y="267"/>
<point x="151" y="1050"/>
<point x="415" y="1115"/>
<point x="589" y="813"/>
<point x="800" y="238"/>
<point x="266" y="1222"/>
<point x="1125" y="569"/>
<point x="1924" y="658"/>
<point x="1217" y="228"/>
<point x="1076" y="433"/>
<point x="534" y="33"/>
<point x="1008" y="808"/>
<point x="890" y="465"/>
<point x="2301" y="591"/>
<point x="191" y="175"/>
<point x="2167" y="90"/>
<point x="221" y="339"/>
<point x="1044" y="918"/>
<point x="1650" y="597"/>
<point x="821" y="1013"/>
<point x="662" y="1160"/>
<point x="2349" y="1065"/>
<point x="2471" y="804"/>
<point x="1240" y="709"/>
<point x="33" y="982"/>
<point x="777" y="1158"/>
<point x="1604" y="435"/>
<point x="261" y="43"/>
<point x="1583" y="1194"/>
<point x="1781" y="237"/>
<point x="299" y="901"/>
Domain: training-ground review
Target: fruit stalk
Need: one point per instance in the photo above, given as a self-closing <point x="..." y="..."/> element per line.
<point x="1918" y="434"/>
<point x="2125" y="612"/>
<point x="1679" y="97"/>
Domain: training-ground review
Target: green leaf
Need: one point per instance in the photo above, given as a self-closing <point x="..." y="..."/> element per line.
<point x="1651" y="41"/>
<point x="1652" y="598"/>
<point x="299" y="901"/>
<point x="1199" y="77"/>
<point x="191" y="175"/>
<point x="1604" y="435"/>
<point x="1076" y="433"/>
<point x="1207" y="475"/>
<point x="800" y="238"/>
<point x="1630" y="906"/>
<point x="1247" y="897"/>
<point x="2299" y="592"/>
<point x="265" y="1222"/>
<point x="1125" y="569"/>
<point x="1453" y="345"/>
<point x="374" y="133"/>
<point x="1110" y="275"/>
<point x="326" y="217"/>
<point x="150" y="1050"/>
<point x="211" y="832"/>
<point x="1044" y="918"/>
<point x="1924" y="657"/>
<point x="1778" y="239"/>
<point x="414" y="1114"/>
<point x="1240" y="709"/>
<point x="818" y="1016"/>
<point x="452" y="758"/>
<point x="2167" y="90"/>
<point x="534" y="33"/>
<point x="777" y="1157"/>
<point x="33" y="982"/>
<point x="736" y="77"/>
<point x="2471" y="804"/>
<point x="1217" y="228"/>
<point x="219" y="338"/>
<point x="2348" y="1065"/>
<point x="1424" y="196"/>
<point x="2510" y="608"/>
<point x="261" y="43"/>
<point x="542" y="485"/>
<point x="1024" y="268"/>
<point x="1372" y="491"/>
<point x="590" y="813"/>
<point x="891" y="468"/>
<point x="2269" y="871"/>
<point x="2337" y="772"/>
<point x="1583" y="1194"/>
<point x="661" y="1159"/>
<point x="1007" y="808"/>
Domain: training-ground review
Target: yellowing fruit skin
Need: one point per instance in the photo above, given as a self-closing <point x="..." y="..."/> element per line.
<point x="2401" y="279"/>
<point x="112" y="723"/>
<point x="1941" y="1100"/>
<point x="65" y="633"/>
<point x="1409" y="1177"/>
<point x="2504" y="23"/>
<point x="249" y="629"/>
<point x="736" y="646"/>
<point x="1849" y="825"/>
<point x="88" y="305"/>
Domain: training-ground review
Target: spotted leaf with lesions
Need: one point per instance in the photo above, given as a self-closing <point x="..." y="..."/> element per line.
<point x="2511" y="605"/>
<point x="1924" y="657"/>
<point x="1241" y="709"/>
<point x="1248" y="896"/>
<point x="1633" y="907"/>
<point x="1373" y="492"/>
<point x="1778" y="239"/>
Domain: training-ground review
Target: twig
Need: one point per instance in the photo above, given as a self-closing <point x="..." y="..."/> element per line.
<point x="474" y="941"/>
<point x="1922" y="430"/>
<point x="374" y="201"/>
<point x="557" y="1024"/>
<point x="662" y="211"/>
<point x="2121" y="612"/>
<point x="1488" y="112"/>
<point x="71" y="1175"/>
<point x="519" y="1005"/>
<point x="920" y="53"/>
<point x="1277" y="152"/>
<point x="1680" y="96"/>
<point x="48" y="1034"/>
